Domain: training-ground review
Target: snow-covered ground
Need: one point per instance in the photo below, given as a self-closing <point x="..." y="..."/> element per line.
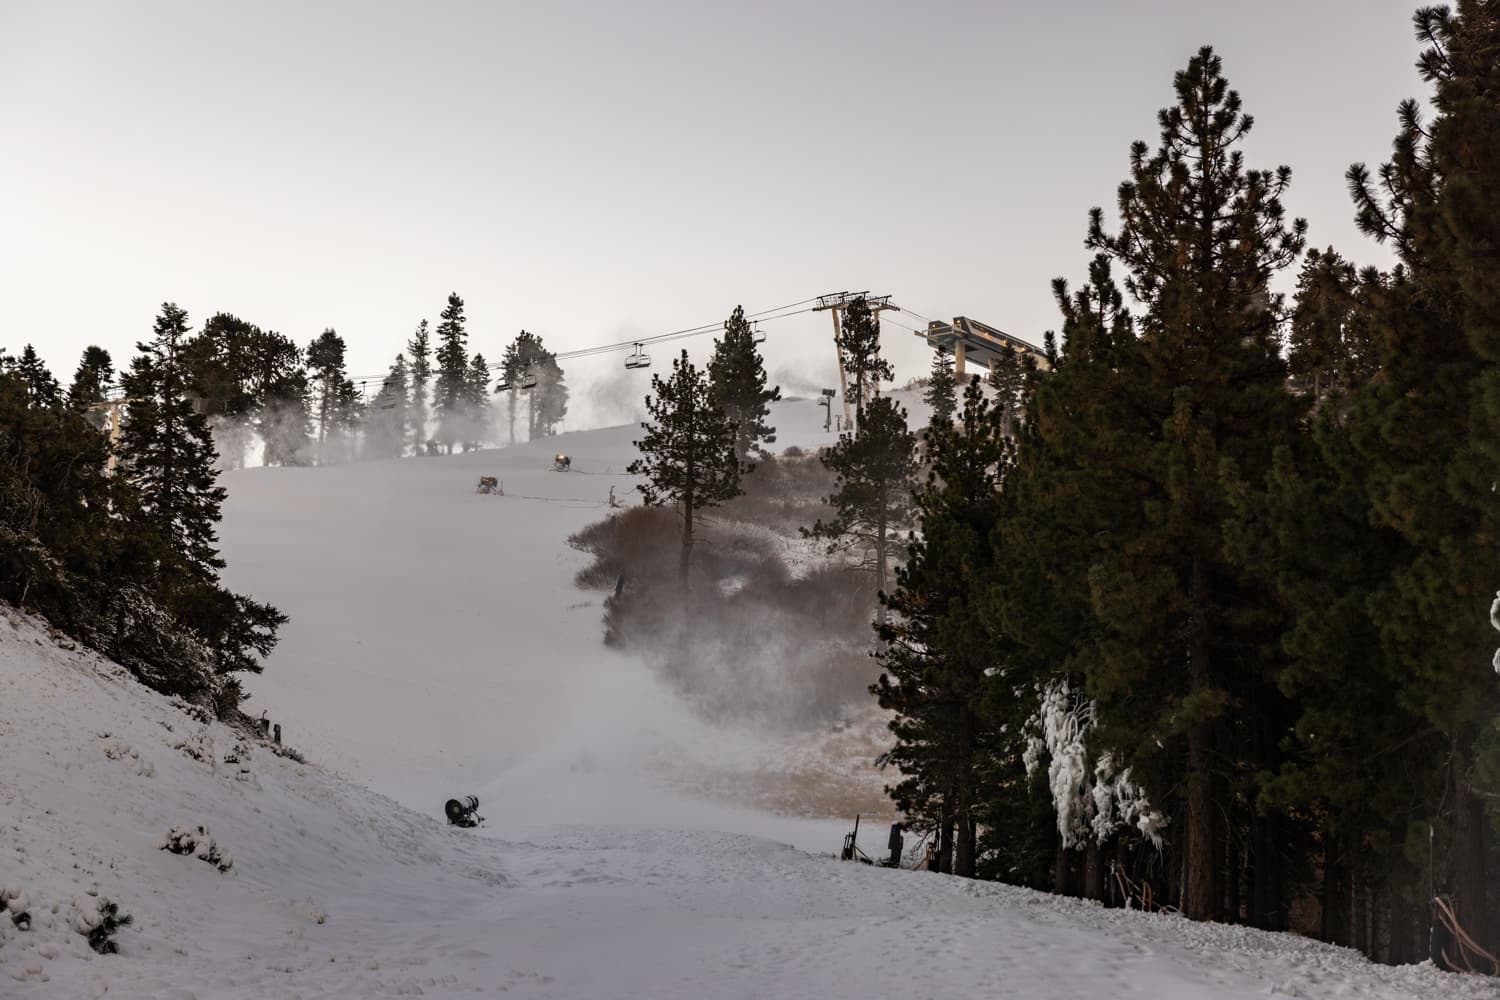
<point x="438" y="648"/>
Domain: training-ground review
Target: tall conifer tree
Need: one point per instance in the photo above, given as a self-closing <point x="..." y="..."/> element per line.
<point x="451" y="394"/>
<point x="738" y="377"/>
<point x="478" y="402"/>
<point x="42" y="388"/>
<point x="278" y="389"/>
<point x="387" y="428"/>
<point x="687" y="455"/>
<point x="325" y="361"/>
<point x="874" y="475"/>
<point x="942" y="388"/>
<point x="937" y="660"/>
<point x="420" y="349"/>
<point x="1201" y="238"/>
<point x="95" y="374"/>
<point x="167" y="454"/>
<point x="859" y="349"/>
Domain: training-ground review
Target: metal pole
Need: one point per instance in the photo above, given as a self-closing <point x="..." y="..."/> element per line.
<point x="839" y="352"/>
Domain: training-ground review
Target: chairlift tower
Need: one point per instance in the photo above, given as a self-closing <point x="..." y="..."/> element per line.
<point x="116" y="412"/>
<point x="836" y="302"/>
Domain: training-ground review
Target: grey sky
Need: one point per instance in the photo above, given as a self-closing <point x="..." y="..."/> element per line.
<point x="594" y="172"/>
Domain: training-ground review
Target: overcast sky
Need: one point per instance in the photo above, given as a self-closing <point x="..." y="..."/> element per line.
<point x="594" y="172"/>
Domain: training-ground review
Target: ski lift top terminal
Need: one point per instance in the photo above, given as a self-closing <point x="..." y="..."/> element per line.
<point x="969" y="339"/>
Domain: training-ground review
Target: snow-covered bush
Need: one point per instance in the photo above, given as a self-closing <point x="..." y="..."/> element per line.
<point x="97" y="918"/>
<point x="1095" y="800"/>
<point x="13" y="900"/>
<point x="195" y="712"/>
<point x="195" y="840"/>
<point x="199" y="746"/>
<point x="1495" y="621"/>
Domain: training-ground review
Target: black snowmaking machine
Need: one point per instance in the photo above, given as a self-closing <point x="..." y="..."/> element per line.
<point x="463" y="812"/>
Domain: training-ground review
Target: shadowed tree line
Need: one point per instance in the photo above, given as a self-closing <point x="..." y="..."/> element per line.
<point x="1198" y="614"/>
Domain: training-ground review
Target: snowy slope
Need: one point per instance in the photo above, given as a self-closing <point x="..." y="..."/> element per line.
<point x="438" y="648"/>
<point x="437" y="644"/>
<point x="337" y="891"/>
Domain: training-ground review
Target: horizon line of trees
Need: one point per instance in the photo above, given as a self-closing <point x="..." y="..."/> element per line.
<point x="299" y="406"/>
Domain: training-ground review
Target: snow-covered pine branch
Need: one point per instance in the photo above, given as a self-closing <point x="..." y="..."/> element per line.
<point x="1089" y="801"/>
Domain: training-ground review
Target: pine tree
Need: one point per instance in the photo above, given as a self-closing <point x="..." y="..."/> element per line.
<point x="937" y="658"/>
<point x="859" y="349"/>
<point x="167" y="455"/>
<point x="220" y="365"/>
<point x="942" y="388"/>
<point x="1062" y="500"/>
<point x="451" y="391"/>
<point x="738" y="377"/>
<point x="347" y="413"/>
<point x="874" y="475"/>
<point x="1201" y="237"/>
<point x="168" y="458"/>
<point x="276" y="383"/>
<point x="41" y="387"/>
<point x="478" y="402"/>
<point x="511" y="369"/>
<point x="96" y="371"/>
<point x="421" y="374"/>
<point x="325" y="361"/>
<point x="687" y="455"/>
<point x="91" y="382"/>
<point x="1328" y="348"/>
<point x="549" y="398"/>
<point x="528" y="360"/>
<point x="387" y="429"/>
<point x="1009" y="376"/>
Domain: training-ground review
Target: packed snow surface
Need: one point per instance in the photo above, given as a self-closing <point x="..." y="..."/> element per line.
<point x="439" y="649"/>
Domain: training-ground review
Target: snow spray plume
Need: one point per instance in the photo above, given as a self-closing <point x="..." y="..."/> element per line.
<point x="794" y="381"/>
<point x="615" y="398"/>
<point x="750" y="640"/>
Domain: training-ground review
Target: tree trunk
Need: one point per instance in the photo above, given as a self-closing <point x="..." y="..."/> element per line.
<point x="1061" y="869"/>
<point x="1200" y="882"/>
<point x="963" y="853"/>
<point x="1468" y="869"/>
<point x="687" y="540"/>
<point x="1233" y="869"/>
<point x="880" y="558"/>
<point x="1335" y="929"/>
<point x="1266" y="873"/>
<point x="945" y="835"/>
<point x="1093" y="871"/>
<point x="1380" y="912"/>
<point x="1359" y="931"/>
<point x="1200" y="890"/>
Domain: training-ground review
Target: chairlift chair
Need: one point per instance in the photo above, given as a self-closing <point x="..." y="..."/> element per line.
<point x="528" y="378"/>
<point x="756" y="336"/>
<point x="638" y="359"/>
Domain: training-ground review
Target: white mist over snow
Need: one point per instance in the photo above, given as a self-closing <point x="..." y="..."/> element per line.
<point x="437" y="649"/>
